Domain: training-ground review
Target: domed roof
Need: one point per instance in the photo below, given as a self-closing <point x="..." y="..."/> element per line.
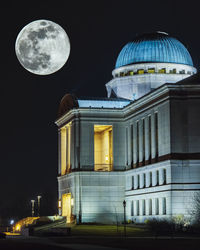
<point x="67" y="103"/>
<point x="154" y="47"/>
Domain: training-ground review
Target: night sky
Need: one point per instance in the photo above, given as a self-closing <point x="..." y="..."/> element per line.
<point x="29" y="103"/>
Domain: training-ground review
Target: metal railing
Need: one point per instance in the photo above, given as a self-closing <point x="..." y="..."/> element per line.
<point x="103" y="167"/>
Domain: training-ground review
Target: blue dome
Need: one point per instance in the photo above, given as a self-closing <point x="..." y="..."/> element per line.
<point x="154" y="47"/>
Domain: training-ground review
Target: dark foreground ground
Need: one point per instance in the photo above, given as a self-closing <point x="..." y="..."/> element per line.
<point x="99" y="243"/>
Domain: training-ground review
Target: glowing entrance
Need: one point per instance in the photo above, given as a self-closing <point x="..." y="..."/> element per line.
<point x="66" y="206"/>
<point x="103" y="155"/>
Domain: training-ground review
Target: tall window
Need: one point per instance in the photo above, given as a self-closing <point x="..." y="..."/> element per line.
<point x="132" y="208"/>
<point x="137" y="143"/>
<point x="144" y="180"/>
<point x="131" y="145"/>
<point x="157" y="177"/>
<point x="150" y="206"/>
<point x="143" y="207"/>
<point x="133" y="182"/>
<point x="156" y="206"/>
<point x="149" y="139"/>
<point x="150" y="179"/>
<point x="138" y="180"/>
<point x="103" y="148"/>
<point x="143" y="140"/>
<point x="164" y="205"/>
<point x="164" y="176"/>
<point x="156" y="135"/>
<point x="137" y="208"/>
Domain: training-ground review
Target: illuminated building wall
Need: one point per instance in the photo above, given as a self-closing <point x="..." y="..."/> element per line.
<point x="153" y="150"/>
<point x="145" y="151"/>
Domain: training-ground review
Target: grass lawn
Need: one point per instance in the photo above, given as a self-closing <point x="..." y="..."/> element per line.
<point x="108" y="230"/>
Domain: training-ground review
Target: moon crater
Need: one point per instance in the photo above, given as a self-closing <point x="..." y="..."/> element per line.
<point x="42" y="47"/>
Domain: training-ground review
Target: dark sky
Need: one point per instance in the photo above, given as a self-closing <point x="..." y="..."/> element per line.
<point x="29" y="103"/>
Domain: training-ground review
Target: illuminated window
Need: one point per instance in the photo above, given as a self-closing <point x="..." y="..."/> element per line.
<point x="140" y="71"/>
<point x="103" y="160"/>
<point x="151" y="70"/>
<point x="59" y="204"/>
<point x="162" y="71"/>
<point x="131" y="73"/>
<point x="65" y="149"/>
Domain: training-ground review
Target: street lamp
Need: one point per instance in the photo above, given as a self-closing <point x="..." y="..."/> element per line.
<point x="32" y="205"/>
<point x="124" y="204"/>
<point x="39" y="197"/>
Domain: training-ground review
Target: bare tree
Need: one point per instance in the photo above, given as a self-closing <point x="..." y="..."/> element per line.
<point x="195" y="211"/>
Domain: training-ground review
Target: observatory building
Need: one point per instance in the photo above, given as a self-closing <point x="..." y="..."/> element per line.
<point x="140" y="144"/>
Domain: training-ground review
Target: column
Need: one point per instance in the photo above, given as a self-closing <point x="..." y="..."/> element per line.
<point x="59" y="152"/>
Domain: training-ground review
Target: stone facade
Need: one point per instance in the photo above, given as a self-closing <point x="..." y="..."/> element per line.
<point x="156" y="156"/>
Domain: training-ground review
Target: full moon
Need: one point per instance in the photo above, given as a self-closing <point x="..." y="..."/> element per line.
<point x="42" y="47"/>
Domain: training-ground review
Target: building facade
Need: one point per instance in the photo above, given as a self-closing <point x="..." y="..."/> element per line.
<point x="141" y="145"/>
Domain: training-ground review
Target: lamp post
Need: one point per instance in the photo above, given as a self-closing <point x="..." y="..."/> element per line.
<point x="124" y="204"/>
<point x="32" y="207"/>
<point x="39" y="197"/>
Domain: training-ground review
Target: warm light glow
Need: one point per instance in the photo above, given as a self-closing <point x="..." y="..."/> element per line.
<point x="63" y="151"/>
<point x="103" y="147"/>
<point x="59" y="204"/>
<point x="17" y="227"/>
<point x="66" y="206"/>
<point x="65" y="148"/>
<point x="24" y="223"/>
<point x="72" y="201"/>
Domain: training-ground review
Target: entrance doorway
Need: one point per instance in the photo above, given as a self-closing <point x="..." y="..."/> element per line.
<point x="66" y="206"/>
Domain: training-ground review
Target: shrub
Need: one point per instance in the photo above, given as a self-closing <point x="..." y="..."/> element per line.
<point x="162" y="226"/>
